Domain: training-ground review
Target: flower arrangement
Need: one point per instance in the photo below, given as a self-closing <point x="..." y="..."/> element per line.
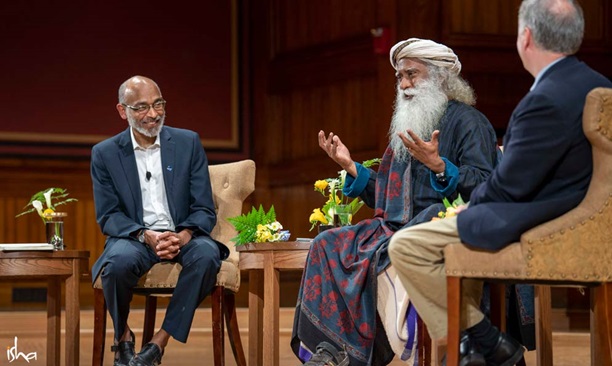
<point x="258" y="226"/>
<point x="451" y="208"/>
<point x="51" y="197"/>
<point x="337" y="202"/>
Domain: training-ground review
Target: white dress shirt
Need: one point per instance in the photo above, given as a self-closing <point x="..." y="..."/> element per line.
<point x="155" y="208"/>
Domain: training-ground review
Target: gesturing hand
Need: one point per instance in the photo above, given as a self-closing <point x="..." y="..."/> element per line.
<point x="336" y="150"/>
<point x="425" y="152"/>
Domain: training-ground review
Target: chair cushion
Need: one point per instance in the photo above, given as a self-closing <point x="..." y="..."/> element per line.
<point x="506" y="263"/>
<point x="165" y="275"/>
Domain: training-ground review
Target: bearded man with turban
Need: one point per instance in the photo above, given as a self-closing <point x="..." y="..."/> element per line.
<point x="439" y="146"/>
<point x="546" y="171"/>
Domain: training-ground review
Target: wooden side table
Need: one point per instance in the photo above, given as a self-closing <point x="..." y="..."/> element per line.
<point x="54" y="266"/>
<point x="264" y="261"/>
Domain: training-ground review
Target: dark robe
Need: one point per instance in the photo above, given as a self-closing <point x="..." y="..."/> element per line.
<point x="337" y="297"/>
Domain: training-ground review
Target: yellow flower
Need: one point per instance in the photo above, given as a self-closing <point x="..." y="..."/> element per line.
<point x="47" y="213"/>
<point x="317" y="215"/>
<point x="332" y="188"/>
<point x="331" y="199"/>
<point x="263" y="234"/>
<point x="451" y="208"/>
<point x="320" y="185"/>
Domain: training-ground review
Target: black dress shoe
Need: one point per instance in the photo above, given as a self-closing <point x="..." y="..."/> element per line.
<point x="468" y="353"/>
<point x="124" y="351"/>
<point x="149" y="355"/>
<point x="507" y="352"/>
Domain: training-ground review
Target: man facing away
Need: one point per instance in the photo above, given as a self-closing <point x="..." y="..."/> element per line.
<point x="544" y="173"/>
<point x="439" y="147"/>
<point x="154" y="203"/>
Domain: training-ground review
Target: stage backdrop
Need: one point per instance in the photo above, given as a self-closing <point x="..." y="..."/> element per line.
<point x="62" y="63"/>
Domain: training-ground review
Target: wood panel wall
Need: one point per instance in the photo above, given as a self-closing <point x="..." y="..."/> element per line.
<point x="308" y="65"/>
<point x="313" y="66"/>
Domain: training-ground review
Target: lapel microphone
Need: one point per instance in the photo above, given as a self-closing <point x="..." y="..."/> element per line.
<point x="148" y="176"/>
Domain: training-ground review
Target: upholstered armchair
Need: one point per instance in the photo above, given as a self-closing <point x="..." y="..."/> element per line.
<point x="231" y="184"/>
<point x="574" y="249"/>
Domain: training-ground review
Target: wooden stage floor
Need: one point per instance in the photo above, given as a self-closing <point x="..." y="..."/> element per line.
<point x="570" y="348"/>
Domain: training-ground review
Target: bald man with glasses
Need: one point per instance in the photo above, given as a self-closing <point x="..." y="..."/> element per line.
<point x="154" y="203"/>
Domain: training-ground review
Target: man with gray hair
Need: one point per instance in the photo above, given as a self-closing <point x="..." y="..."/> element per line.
<point x="545" y="172"/>
<point x="439" y="147"/>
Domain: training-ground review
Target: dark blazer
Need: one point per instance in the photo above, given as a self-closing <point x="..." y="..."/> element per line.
<point x="117" y="191"/>
<point x="547" y="162"/>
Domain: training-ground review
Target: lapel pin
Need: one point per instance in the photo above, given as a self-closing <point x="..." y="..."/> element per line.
<point x="169" y="168"/>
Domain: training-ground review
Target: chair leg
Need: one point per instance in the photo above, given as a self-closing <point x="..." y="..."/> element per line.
<point x="217" y="326"/>
<point x="453" y="298"/>
<point x="99" y="333"/>
<point x="232" y="328"/>
<point x="148" y="326"/>
<point x="498" y="305"/>
<point x="423" y="343"/>
<point x="543" y="305"/>
<point x="601" y="325"/>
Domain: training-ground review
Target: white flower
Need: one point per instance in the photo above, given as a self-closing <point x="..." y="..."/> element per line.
<point x="48" y="197"/>
<point x="275" y="226"/>
<point x="342" y="177"/>
<point x="38" y="206"/>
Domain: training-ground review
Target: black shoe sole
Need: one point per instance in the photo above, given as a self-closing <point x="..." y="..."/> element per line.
<point x="516" y="357"/>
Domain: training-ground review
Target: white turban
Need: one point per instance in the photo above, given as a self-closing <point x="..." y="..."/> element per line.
<point x="426" y="50"/>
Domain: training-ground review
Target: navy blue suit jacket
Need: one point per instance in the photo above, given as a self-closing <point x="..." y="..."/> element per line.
<point x="117" y="191"/>
<point x="547" y="162"/>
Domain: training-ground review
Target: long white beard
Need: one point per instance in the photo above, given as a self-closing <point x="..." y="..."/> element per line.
<point x="421" y="114"/>
<point x="147" y="132"/>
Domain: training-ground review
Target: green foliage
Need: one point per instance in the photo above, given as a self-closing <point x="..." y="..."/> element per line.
<point x="456" y="203"/>
<point x="331" y="188"/>
<point x="57" y="197"/>
<point x="246" y="224"/>
<point x="370" y="163"/>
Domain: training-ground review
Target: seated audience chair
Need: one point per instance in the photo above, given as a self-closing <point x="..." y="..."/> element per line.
<point x="572" y="250"/>
<point x="231" y="184"/>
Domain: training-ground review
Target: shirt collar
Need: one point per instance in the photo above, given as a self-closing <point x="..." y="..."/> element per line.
<point x="137" y="146"/>
<point x="541" y="73"/>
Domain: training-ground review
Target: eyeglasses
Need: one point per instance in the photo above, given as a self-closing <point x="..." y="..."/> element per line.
<point x="144" y="108"/>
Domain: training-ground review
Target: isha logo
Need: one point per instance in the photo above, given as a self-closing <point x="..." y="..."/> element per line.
<point x="13" y="354"/>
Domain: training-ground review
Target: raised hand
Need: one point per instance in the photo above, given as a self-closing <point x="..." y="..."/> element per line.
<point x="425" y="152"/>
<point x="337" y="151"/>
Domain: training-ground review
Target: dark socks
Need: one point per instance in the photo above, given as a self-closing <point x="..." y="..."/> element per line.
<point x="485" y="335"/>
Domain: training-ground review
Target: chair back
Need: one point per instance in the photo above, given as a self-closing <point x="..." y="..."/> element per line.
<point x="581" y="239"/>
<point x="231" y="184"/>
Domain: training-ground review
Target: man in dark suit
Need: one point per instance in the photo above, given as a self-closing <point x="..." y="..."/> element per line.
<point x="154" y="202"/>
<point x="545" y="172"/>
